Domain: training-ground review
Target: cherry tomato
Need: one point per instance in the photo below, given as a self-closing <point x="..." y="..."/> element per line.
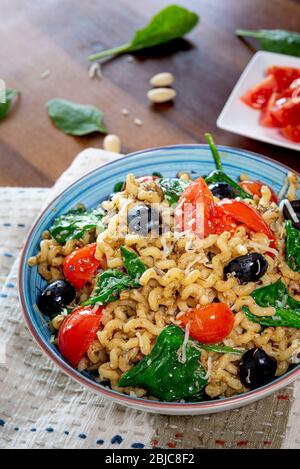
<point x="245" y="214"/>
<point x="196" y="211"/>
<point x="77" y="332"/>
<point x="254" y="188"/>
<point x="266" y="118"/>
<point x="258" y="96"/>
<point x="291" y="132"/>
<point x="209" y="324"/>
<point x="284" y="76"/>
<point x="286" y="111"/>
<point x="80" y="266"/>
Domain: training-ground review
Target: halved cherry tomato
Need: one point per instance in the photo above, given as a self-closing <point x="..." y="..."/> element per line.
<point x="266" y="118"/>
<point x="245" y="214"/>
<point x="254" y="188"/>
<point x="80" y="266"/>
<point x="286" y="111"/>
<point x="77" y="332"/>
<point x="284" y="76"/>
<point x="258" y="96"/>
<point x="291" y="132"/>
<point x="209" y="324"/>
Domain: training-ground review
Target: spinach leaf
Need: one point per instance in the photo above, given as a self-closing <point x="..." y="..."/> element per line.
<point x="172" y="188"/>
<point x="133" y="265"/>
<point x="9" y="95"/>
<point x="163" y="374"/>
<point x="110" y="283"/>
<point x="74" y="224"/>
<point x="220" y="349"/>
<point x="75" y="119"/>
<point x="218" y="175"/>
<point x="287" y="309"/>
<point x="169" y="23"/>
<point x="292" y="251"/>
<point x="275" y="40"/>
<point x="118" y="186"/>
<point x="159" y="175"/>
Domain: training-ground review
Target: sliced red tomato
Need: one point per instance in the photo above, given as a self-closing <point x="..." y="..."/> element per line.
<point x="245" y="214"/>
<point x="80" y="266"/>
<point x="254" y="188"/>
<point x="287" y="111"/>
<point x="196" y="211"/>
<point x="77" y="332"/>
<point x="209" y="324"/>
<point x="291" y="132"/>
<point x="284" y="76"/>
<point x="266" y="118"/>
<point x="258" y="96"/>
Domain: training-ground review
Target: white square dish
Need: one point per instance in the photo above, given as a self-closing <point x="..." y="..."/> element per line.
<point x="239" y="118"/>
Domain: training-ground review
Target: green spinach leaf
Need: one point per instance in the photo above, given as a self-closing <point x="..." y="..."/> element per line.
<point x="292" y="252"/>
<point x="287" y="309"/>
<point x="220" y="349"/>
<point x="172" y="188"/>
<point x="163" y="374"/>
<point x="74" y="224"/>
<point x="274" y="40"/>
<point x="218" y="175"/>
<point x="170" y="23"/>
<point x="110" y="283"/>
<point x="118" y="186"/>
<point x="75" y="119"/>
<point x="9" y="95"/>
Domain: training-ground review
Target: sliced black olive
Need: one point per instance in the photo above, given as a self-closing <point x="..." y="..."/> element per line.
<point x="248" y="268"/>
<point x="257" y="368"/>
<point x="222" y="190"/>
<point x="287" y="215"/>
<point x="142" y="219"/>
<point x="56" y="296"/>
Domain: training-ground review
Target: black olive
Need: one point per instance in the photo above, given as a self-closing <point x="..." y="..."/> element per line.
<point x="257" y="368"/>
<point x="142" y="219"/>
<point x="286" y="213"/>
<point x="248" y="268"/>
<point x="222" y="190"/>
<point x="56" y="296"/>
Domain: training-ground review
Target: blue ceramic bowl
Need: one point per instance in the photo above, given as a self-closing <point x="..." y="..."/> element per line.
<point x="97" y="186"/>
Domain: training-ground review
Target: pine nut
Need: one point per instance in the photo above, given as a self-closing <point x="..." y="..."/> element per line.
<point x="161" y="95"/>
<point x="112" y="143"/>
<point x="162" y="79"/>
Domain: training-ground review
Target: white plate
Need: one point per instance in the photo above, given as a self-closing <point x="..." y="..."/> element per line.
<point x="239" y="118"/>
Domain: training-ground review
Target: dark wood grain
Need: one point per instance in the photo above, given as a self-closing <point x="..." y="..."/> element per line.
<point x="58" y="35"/>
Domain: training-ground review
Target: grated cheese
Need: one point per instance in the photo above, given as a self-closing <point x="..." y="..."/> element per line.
<point x="287" y="203"/>
<point x="284" y="188"/>
<point x="209" y="368"/>
<point x="252" y="244"/>
<point x="181" y="353"/>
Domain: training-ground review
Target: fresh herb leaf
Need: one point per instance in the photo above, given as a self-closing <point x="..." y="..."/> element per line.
<point x="172" y="188"/>
<point x="9" y="95"/>
<point x="292" y="252"/>
<point x="218" y="175"/>
<point x="287" y="309"/>
<point x="159" y="175"/>
<point x="163" y="374"/>
<point x="274" y="40"/>
<point x="133" y="265"/>
<point x="110" y="283"/>
<point x="118" y="186"/>
<point x="169" y="23"/>
<point x="74" y="224"/>
<point x="75" y="119"/>
<point x="221" y="349"/>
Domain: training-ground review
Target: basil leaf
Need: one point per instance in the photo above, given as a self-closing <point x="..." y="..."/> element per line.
<point x="9" y="95"/>
<point x="118" y="186"/>
<point x="218" y="175"/>
<point x="292" y="252"/>
<point x="110" y="283"/>
<point x="75" y="119"/>
<point x="221" y="349"/>
<point x="74" y="224"/>
<point x="172" y="188"/>
<point x="161" y="372"/>
<point x="169" y="23"/>
<point x="275" y="40"/>
<point x="133" y="265"/>
<point x="287" y="309"/>
<point x="159" y="175"/>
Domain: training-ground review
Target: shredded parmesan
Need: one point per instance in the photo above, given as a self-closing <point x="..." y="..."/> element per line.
<point x="287" y="203"/>
<point x="284" y="188"/>
<point x="181" y="353"/>
<point x="252" y="244"/>
<point x="209" y="368"/>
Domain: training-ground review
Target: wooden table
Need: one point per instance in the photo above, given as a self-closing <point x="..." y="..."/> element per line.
<point x="58" y="35"/>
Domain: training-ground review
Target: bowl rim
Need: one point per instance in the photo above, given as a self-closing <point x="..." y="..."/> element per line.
<point x="128" y="400"/>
